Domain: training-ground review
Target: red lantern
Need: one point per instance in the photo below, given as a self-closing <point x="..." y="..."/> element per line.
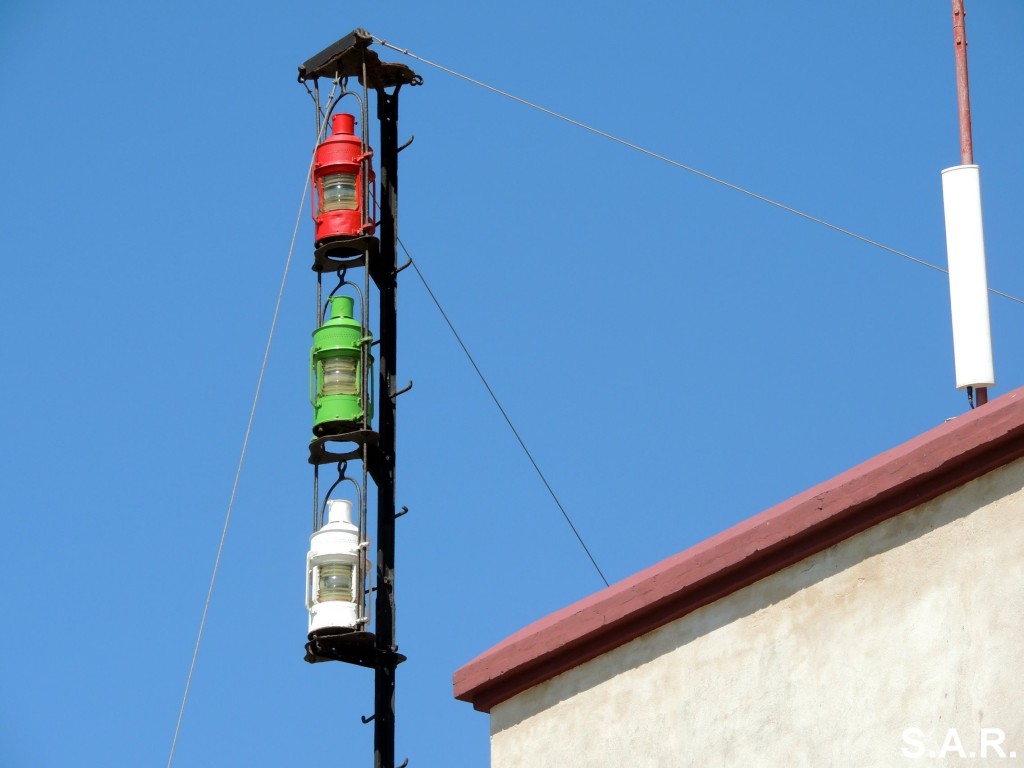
<point x="338" y="205"/>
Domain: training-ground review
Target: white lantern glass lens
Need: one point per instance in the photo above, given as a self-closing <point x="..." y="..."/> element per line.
<point x="335" y="582"/>
<point x="340" y="376"/>
<point x="340" y="192"/>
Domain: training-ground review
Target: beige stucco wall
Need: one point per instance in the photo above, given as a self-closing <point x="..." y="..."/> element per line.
<point x="915" y="623"/>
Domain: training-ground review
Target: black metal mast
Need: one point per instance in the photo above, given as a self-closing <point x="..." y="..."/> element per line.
<point x="352" y="57"/>
<point x="385" y="276"/>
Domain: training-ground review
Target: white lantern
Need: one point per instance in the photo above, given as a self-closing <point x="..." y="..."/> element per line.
<point x="334" y="592"/>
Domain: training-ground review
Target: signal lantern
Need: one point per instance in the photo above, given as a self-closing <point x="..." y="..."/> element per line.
<point x="338" y="206"/>
<point x="336" y="374"/>
<point x="334" y="592"/>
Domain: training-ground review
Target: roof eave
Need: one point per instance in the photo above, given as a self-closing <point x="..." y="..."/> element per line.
<point x="893" y="482"/>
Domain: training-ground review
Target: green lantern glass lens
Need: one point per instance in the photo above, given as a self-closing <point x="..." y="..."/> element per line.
<point x="340" y="376"/>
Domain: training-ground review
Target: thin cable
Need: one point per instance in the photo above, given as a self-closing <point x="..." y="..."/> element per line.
<point x="677" y="164"/>
<point x="508" y="421"/>
<point x="245" y="445"/>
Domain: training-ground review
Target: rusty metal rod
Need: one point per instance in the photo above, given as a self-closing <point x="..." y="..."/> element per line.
<point x="963" y="100"/>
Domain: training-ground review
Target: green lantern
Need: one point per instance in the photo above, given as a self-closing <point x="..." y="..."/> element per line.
<point x="336" y="374"/>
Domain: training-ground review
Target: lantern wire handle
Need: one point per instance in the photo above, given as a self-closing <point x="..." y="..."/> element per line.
<point x="323" y="116"/>
<point x="342" y="466"/>
<point x="333" y="104"/>
<point x="326" y="304"/>
<point x="341" y="95"/>
<point x="341" y="282"/>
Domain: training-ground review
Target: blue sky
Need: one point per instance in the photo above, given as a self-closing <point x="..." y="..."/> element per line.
<point x="677" y="356"/>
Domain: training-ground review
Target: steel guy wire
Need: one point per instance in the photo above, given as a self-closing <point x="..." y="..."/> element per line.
<point x="245" y="441"/>
<point x="508" y="420"/>
<point x="677" y="164"/>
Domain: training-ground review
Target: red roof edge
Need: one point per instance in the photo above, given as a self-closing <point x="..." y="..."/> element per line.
<point x="921" y="469"/>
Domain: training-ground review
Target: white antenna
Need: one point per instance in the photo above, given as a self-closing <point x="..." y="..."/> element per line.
<point x="965" y="243"/>
<point x="968" y="280"/>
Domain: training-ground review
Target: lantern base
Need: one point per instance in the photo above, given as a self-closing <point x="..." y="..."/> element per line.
<point x="337" y="253"/>
<point x="328" y="428"/>
<point x="349" y="647"/>
<point x="320" y="454"/>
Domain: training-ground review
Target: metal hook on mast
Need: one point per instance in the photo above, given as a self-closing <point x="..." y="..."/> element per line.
<point x="402" y="391"/>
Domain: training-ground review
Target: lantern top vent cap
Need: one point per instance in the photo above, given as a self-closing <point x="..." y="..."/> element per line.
<point x="342" y="306"/>
<point x="339" y="511"/>
<point x="343" y="124"/>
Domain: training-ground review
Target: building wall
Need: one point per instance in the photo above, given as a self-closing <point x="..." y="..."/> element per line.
<point x="917" y="623"/>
